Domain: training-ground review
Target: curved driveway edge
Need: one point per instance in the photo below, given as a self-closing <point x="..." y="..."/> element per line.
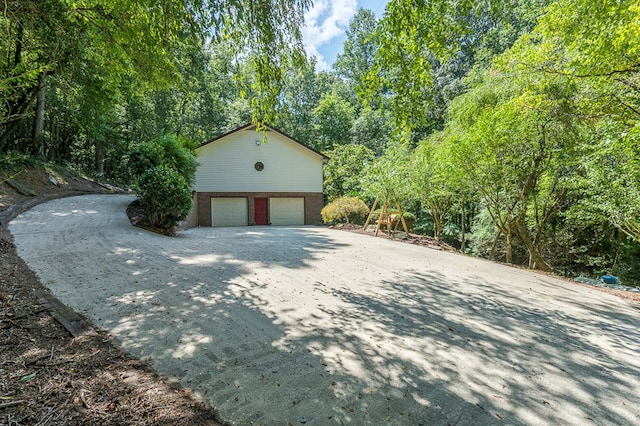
<point x="314" y="326"/>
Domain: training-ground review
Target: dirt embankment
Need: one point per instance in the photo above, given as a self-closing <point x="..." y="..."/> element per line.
<point x="23" y="188"/>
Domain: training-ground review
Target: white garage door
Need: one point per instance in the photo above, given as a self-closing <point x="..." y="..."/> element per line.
<point x="229" y="211"/>
<point x="286" y="211"/>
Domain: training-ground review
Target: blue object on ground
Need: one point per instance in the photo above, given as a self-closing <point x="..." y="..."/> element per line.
<point x="609" y="279"/>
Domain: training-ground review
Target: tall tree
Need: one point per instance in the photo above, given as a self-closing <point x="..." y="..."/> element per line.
<point x="303" y="89"/>
<point x="34" y="40"/>
<point x="514" y="136"/>
<point x="599" y="49"/>
<point x="343" y="172"/>
<point x="332" y="120"/>
<point x="437" y="182"/>
<point x="372" y="128"/>
<point x="107" y="45"/>
<point x="415" y="36"/>
<point x="358" y="52"/>
<point x="389" y="177"/>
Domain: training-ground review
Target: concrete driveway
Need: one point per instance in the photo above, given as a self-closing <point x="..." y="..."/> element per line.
<point x="314" y="326"/>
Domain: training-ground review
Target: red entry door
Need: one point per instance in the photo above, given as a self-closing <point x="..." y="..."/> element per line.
<point x="261" y="211"/>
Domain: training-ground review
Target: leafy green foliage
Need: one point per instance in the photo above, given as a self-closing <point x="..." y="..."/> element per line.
<point x="165" y="169"/>
<point x="167" y="150"/>
<point x="128" y="70"/>
<point x="485" y="238"/>
<point x="509" y="133"/>
<point x="145" y="156"/>
<point x="332" y="121"/>
<point x="166" y="197"/>
<point x="344" y="169"/>
<point x="302" y="92"/>
<point x="359" y="51"/>
<point x="601" y="36"/>
<point x="604" y="58"/>
<point x="13" y="161"/>
<point x="608" y="187"/>
<point x="388" y="178"/>
<point x="414" y="36"/>
<point x="373" y="129"/>
<point x="345" y="209"/>
<point x="266" y="45"/>
<point x="437" y="182"/>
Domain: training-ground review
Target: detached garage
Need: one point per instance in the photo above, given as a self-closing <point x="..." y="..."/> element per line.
<point x="246" y="177"/>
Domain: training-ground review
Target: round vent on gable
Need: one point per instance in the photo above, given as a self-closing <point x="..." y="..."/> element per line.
<point x="259" y="166"/>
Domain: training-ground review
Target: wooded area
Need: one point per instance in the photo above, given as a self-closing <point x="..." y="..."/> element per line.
<point x="508" y="128"/>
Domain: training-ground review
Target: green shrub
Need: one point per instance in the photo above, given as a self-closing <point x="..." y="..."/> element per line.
<point x="14" y="160"/>
<point x="167" y="150"/>
<point x="345" y="209"/>
<point x="143" y="157"/>
<point x="166" y="197"/>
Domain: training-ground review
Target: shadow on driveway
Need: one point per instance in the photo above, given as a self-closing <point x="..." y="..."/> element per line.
<point x="308" y="325"/>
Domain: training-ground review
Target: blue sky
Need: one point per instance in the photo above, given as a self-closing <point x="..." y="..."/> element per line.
<point x="327" y="23"/>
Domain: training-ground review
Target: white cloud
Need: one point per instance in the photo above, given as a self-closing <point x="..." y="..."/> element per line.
<point x="321" y="63"/>
<point x="324" y="22"/>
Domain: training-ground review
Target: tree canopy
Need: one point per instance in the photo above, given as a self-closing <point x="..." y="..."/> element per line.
<point x="508" y="128"/>
<point x="108" y="49"/>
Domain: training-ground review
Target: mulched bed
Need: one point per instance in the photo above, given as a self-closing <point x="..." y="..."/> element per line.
<point x="419" y="240"/>
<point x="138" y="217"/>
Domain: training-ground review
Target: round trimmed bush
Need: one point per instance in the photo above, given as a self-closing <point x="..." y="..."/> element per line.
<point x="345" y="209"/>
<point x="166" y="197"/>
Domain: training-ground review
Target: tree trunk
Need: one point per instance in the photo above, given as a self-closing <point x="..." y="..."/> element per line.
<point x="462" y="230"/>
<point x="12" y="117"/>
<point x="13" y="123"/>
<point x="437" y="225"/>
<point x="439" y="211"/>
<point x="37" y="139"/>
<point x="536" y="261"/>
<point x="99" y="159"/>
<point x="508" y="247"/>
<point x="494" y="246"/>
<point x="17" y="56"/>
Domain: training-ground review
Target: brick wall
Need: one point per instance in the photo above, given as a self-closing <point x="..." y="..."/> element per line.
<point x="313" y="203"/>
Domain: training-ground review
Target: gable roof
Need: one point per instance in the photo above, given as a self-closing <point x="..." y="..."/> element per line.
<point x="268" y="128"/>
